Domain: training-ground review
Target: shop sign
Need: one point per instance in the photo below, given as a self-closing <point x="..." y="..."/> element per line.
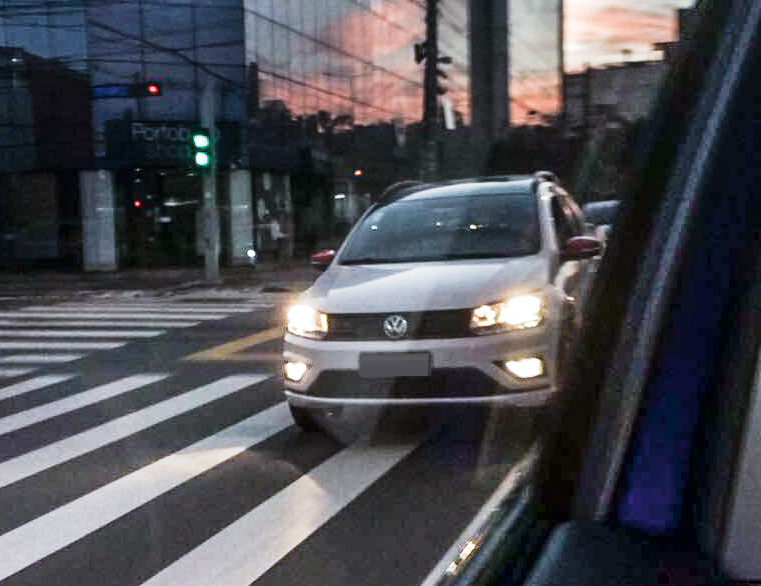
<point x="167" y="143"/>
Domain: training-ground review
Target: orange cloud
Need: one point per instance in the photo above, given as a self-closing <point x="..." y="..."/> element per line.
<point x="595" y="34"/>
<point x="540" y="93"/>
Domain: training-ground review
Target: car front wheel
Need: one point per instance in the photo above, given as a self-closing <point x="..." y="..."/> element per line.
<point x="304" y="419"/>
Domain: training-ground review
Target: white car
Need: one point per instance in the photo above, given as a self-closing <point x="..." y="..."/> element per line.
<point x="441" y="293"/>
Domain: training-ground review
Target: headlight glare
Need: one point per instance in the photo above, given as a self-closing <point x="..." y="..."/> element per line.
<point x="302" y="320"/>
<point x="526" y="368"/>
<point x="517" y="313"/>
<point x="295" y="370"/>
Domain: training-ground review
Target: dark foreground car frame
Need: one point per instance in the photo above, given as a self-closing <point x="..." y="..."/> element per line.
<point x="638" y="477"/>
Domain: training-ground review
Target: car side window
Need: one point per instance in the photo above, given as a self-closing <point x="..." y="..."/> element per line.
<point x="563" y="226"/>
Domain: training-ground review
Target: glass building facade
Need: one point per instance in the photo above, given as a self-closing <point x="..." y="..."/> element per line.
<point x="318" y="101"/>
<point x="350" y="57"/>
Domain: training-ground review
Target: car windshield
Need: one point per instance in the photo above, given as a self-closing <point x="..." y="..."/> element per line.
<point x="436" y="229"/>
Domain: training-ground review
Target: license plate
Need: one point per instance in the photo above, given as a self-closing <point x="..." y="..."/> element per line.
<point x="395" y="364"/>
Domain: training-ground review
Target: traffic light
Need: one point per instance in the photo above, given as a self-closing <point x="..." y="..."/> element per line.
<point x="420" y="52"/>
<point x="200" y="149"/>
<point x="147" y="89"/>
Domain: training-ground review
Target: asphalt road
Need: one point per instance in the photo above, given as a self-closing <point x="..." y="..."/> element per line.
<point x="147" y="442"/>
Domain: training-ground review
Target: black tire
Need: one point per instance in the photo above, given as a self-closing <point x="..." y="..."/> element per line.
<point x="303" y="418"/>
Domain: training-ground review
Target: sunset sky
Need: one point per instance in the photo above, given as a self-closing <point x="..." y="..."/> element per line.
<point x="598" y="30"/>
<point x="596" y="33"/>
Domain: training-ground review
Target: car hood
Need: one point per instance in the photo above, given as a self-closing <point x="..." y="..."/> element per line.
<point x="424" y="286"/>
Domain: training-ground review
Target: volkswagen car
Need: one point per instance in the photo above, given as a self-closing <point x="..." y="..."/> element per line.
<point x="460" y="292"/>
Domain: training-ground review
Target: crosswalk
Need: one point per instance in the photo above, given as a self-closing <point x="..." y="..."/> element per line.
<point x="39" y="536"/>
<point x="39" y="336"/>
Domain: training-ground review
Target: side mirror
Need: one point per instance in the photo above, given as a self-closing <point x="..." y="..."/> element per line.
<point x="579" y="248"/>
<point x="322" y="259"/>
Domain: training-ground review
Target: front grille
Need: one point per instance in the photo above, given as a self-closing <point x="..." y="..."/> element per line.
<point x="422" y="325"/>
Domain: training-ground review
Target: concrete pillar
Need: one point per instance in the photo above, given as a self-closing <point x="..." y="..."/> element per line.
<point x="97" y="202"/>
<point x="241" y="229"/>
<point x="489" y="63"/>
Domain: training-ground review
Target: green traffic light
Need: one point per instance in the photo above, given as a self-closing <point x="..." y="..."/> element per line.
<point x="202" y="159"/>
<point x="201" y="141"/>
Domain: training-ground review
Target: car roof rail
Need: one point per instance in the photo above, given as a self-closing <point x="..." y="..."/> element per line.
<point x="399" y="189"/>
<point x="515" y="177"/>
<point x="486" y="179"/>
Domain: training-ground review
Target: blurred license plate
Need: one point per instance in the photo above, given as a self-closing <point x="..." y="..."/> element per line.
<point x="394" y="364"/>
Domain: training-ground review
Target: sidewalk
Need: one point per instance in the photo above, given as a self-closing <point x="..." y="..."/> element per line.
<point x="287" y="277"/>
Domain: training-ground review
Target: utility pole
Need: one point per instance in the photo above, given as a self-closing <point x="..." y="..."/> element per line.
<point x="210" y="215"/>
<point x="430" y="94"/>
<point x="561" y="60"/>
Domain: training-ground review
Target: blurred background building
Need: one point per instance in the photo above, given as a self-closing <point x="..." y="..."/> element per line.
<point x="318" y="109"/>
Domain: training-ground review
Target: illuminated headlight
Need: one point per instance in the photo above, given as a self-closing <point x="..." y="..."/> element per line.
<point x="295" y="370"/>
<point x="518" y="313"/>
<point x="302" y="320"/>
<point x="525" y="368"/>
<point x="251" y="253"/>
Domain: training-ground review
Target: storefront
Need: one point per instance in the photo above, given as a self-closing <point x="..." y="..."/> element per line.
<point x="158" y="196"/>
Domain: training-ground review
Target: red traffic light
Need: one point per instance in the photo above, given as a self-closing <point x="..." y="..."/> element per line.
<point x="137" y="203"/>
<point x="147" y="89"/>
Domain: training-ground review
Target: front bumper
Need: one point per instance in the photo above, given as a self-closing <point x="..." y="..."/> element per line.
<point x="464" y="370"/>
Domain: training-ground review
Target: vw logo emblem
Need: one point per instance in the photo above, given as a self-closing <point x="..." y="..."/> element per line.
<point x="395" y="327"/>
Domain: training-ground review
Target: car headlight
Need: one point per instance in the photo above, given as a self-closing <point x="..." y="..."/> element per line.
<point x="302" y="320"/>
<point x="518" y="313"/>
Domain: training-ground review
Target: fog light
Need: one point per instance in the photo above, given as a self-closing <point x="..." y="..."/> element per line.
<point x="525" y="368"/>
<point x="295" y="371"/>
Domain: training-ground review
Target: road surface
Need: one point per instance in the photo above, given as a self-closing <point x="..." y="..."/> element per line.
<point x="147" y="442"/>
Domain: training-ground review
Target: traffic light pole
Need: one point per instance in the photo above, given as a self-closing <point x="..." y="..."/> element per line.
<point x="430" y="94"/>
<point x="210" y="214"/>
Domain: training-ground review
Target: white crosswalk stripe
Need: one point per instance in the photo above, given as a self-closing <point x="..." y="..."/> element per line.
<point x="98" y="314"/>
<point x="154" y="307"/>
<point x="11" y="372"/>
<point x="49" y="410"/>
<point x="61" y="451"/>
<point x="237" y="554"/>
<point x="36" y="333"/>
<point x="39" y="358"/>
<point x="24" y="322"/>
<point x="33" y="384"/>
<point x="100" y="325"/>
<point x="47" y="534"/>
<point x="45" y="345"/>
<point x="259" y="539"/>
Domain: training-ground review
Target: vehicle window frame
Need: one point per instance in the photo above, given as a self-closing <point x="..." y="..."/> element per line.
<point x="560" y="217"/>
<point x="576" y="213"/>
